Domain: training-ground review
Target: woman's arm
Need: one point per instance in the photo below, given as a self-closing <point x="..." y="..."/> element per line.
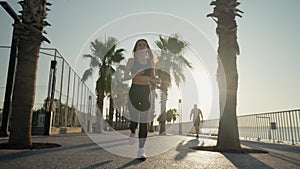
<point x="127" y="70"/>
<point x="153" y="78"/>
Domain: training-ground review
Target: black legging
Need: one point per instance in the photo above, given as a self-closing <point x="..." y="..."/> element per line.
<point x="138" y="106"/>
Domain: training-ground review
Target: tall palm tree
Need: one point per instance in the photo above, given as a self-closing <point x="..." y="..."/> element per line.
<point x="104" y="55"/>
<point x="119" y="92"/>
<point x="170" y="64"/>
<point x="225" y="11"/>
<point x="30" y="33"/>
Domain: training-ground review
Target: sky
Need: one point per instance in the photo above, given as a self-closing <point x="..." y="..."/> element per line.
<point x="268" y="65"/>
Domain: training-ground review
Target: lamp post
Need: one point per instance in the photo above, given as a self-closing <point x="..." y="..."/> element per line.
<point x="50" y="98"/>
<point x="180" y="114"/>
<point x="11" y="70"/>
<point x="89" y="115"/>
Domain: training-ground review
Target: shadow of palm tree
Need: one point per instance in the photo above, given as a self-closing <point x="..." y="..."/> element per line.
<point x="132" y="163"/>
<point x="239" y="161"/>
<point x="186" y="147"/>
<point x="98" y="164"/>
<point x="274" y="150"/>
<point x="17" y="155"/>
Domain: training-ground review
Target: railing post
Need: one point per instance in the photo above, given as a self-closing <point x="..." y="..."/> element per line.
<point x="73" y="97"/>
<point x="291" y="127"/>
<point x="89" y="115"/>
<point x="77" y="102"/>
<point x="48" y="114"/>
<point x="67" y="111"/>
<point x="10" y="72"/>
<point x="60" y="115"/>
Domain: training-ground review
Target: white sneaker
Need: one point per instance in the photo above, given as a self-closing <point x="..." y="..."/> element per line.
<point x="132" y="138"/>
<point x="141" y="154"/>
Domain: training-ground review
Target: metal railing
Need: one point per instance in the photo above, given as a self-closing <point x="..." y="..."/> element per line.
<point x="282" y="126"/>
<point x="276" y="127"/>
<point x="74" y="103"/>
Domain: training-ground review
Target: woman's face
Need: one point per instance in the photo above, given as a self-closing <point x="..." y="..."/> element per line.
<point x="141" y="45"/>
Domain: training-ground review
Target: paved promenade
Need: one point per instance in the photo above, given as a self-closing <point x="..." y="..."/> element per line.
<point x="83" y="151"/>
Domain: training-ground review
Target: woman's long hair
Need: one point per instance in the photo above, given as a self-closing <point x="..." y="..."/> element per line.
<point x="149" y="51"/>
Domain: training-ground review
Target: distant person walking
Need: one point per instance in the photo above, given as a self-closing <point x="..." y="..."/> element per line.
<point x="196" y="113"/>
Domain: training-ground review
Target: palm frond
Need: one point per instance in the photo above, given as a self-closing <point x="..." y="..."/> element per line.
<point x="185" y="61"/>
<point x="110" y="51"/>
<point x="179" y="77"/>
<point x="87" y="56"/>
<point x="120" y="50"/>
<point x="117" y="56"/>
<point x="94" y="63"/>
<point x="175" y="46"/>
<point x="110" y="42"/>
<point x="87" y="74"/>
<point x="163" y="41"/>
<point x="176" y="71"/>
<point x="159" y="44"/>
<point x="98" y="48"/>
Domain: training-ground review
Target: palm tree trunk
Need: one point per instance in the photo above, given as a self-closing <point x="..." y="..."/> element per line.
<point x="30" y="35"/>
<point x="111" y="112"/>
<point x="152" y="113"/>
<point x="227" y="75"/>
<point x="100" y="88"/>
<point x="120" y="119"/>
<point x="163" y="106"/>
<point x="99" y="113"/>
<point x="228" y="137"/>
<point x="24" y="93"/>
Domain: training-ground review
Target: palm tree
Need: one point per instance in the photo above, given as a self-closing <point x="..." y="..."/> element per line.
<point x="171" y="114"/>
<point x="227" y="76"/>
<point x="171" y="63"/>
<point x="119" y="92"/>
<point x="30" y="33"/>
<point x="103" y="56"/>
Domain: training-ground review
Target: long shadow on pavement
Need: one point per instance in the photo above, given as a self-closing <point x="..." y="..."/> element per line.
<point x="94" y="166"/>
<point x="27" y="153"/>
<point x="279" y="147"/>
<point x="185" y="148"/>
<point x="238" y="159"/>
<point x="286" y="153"/>
<point x="245" y="161"/>
<point x="131" y="163"/>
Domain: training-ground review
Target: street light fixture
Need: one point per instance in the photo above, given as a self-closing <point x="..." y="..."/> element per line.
<point x="50" y="97"/>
